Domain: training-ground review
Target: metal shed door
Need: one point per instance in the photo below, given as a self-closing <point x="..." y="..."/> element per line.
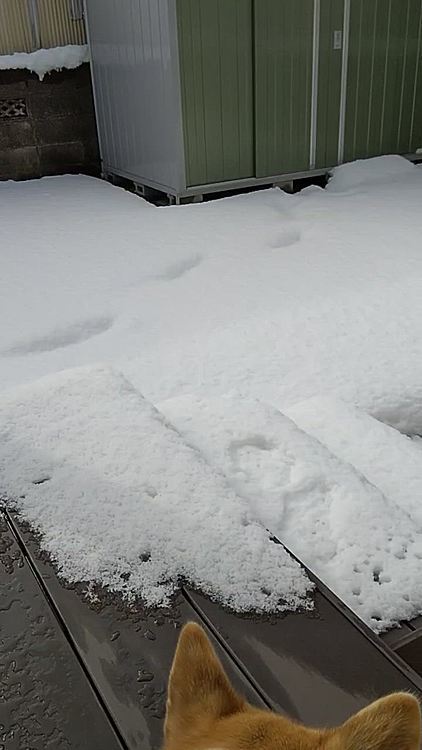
<point x="299" y="54"/>
<point x="216" y="65"/>
<point x="384" y="90"/>
<point x="283" y="85"/>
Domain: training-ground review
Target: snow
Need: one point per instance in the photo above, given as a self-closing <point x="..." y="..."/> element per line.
<point x="387" y="458"/>
<point x="369" y="172"/>
<point x="268" y="299"/>
<point x="44" y="61"/>
<point x="116" y="492"/>
<point x="358" y="541"/>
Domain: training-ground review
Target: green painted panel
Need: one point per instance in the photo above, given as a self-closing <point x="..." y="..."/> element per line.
<point x="410" y="135"/>
<point x="283" y="85"/>
<point x="384" y="103"/>
<point x="216" y="62"/>
<point x="360" y="64"/>
<point x="329" y="83"/>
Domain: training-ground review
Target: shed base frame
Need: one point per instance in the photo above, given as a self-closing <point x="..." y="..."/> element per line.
<point x="195" y="193"/>
<point x="157" y="193"/>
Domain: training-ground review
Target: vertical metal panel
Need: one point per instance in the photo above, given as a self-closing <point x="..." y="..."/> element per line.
<point x="360" y="77"/>
<point x="135" y="69"/>
<point x="284" y="55"/>
<point x="56" y="25"/>
<point x="415" y="129"/>
<point x="15" y="27"/>
<point x="26" y="25"/>
<point x="76" y="9"/>
<point x="216" y="59"/>
<point x="344" y="73"/>
<point x="34" y="21"/>
<point x="315" y="82"/>
<point x="383" y="91"/>
<point x="329" y="88"/>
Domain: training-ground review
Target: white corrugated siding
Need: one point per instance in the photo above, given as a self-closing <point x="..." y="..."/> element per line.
<point x="135" y="66"/>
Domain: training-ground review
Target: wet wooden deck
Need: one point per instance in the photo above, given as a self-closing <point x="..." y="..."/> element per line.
<point x="78" y="674"/>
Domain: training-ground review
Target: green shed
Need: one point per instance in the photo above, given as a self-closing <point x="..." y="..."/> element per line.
<point x="194" y="96"/>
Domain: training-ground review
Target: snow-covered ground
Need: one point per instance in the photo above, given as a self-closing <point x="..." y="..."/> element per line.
<point x="271" y="332"/>
<point x="44" y="61"/>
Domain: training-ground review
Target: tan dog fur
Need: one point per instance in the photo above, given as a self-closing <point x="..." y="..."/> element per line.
<point x="205" y="713"/>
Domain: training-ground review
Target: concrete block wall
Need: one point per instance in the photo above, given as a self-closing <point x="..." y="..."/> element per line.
<point x="47" y="127"/>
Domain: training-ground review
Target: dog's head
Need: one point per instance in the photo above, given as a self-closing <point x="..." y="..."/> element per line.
<point x="204" y="712"/>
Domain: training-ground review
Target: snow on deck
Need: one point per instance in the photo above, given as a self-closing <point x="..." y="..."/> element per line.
<point x="122" y="500"/>
<point x="390" y="460"/>
<point x="259" y="302"/>
<point x="358" y="540"/>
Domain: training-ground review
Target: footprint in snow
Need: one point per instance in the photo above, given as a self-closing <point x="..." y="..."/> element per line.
<point x="248" y="456"/>
<point x="62" y="337"/>
<point x="285" y="239"/>
<point x="178" y="269"/>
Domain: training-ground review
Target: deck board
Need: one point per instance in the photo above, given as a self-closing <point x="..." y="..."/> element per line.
<point x="101" y="667"/>
<point x="127" y="651"/>
<point x="46" y="700"/>
<point x="318" y="667"/>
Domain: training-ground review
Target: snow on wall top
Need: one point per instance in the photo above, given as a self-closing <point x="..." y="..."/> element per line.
<point x="44" y="61"/>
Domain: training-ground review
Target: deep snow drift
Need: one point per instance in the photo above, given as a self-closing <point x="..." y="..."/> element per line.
<point x="279" y="297"/>
<point x="270" y="299"/>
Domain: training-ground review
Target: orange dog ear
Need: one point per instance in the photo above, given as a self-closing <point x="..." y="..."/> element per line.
<point x="391" y="723"/>
<point x="198" y="689"/>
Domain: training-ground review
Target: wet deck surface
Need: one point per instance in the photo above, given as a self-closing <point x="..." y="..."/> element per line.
<point x="80" y="674"/>
<point x="39" y="673"/>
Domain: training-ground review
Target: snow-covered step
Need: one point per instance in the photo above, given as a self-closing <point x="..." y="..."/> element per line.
<point x="120" y="499"/>
<point x="359" y="541"/>
<point x="388" y="459"/>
